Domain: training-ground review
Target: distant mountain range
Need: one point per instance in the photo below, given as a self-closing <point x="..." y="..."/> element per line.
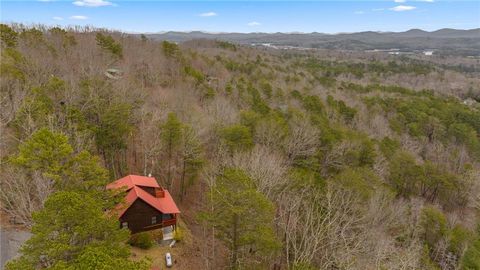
<point x="443" y="41"/>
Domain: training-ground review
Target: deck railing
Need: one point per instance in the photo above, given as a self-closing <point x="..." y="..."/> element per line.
<point x="169" y="222"/>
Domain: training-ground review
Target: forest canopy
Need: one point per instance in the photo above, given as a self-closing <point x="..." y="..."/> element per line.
<point x="289" y="159"/>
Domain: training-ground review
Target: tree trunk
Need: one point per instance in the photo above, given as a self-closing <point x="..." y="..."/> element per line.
<point x="234" y="263"/>
<point x="182" y="181"/>
<point x="169" y="180"/>
<point x="145" y="163"/>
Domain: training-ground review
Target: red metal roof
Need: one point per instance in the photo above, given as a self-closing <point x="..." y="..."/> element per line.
<point x="165" y="204"/>
<point x="130" y="181"/>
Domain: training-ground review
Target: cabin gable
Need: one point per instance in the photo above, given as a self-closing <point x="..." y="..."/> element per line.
<point x="139" y="216"/>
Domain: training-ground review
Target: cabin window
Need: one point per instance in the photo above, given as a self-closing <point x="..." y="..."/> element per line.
<point x="124" y="224"/>
<point x="154" y="220"/>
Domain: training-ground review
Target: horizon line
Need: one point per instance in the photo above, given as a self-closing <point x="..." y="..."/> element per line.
<point x="31" y="25"/>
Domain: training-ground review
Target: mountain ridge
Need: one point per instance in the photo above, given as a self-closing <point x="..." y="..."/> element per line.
<point x="444" y="41"/>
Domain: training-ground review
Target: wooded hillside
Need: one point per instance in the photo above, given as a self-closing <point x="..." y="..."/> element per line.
<point x="293" y="159"/>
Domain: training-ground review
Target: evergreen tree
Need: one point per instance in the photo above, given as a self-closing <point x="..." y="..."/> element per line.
<point x="45" y="151"/>
<point x="405" y="174"/>
<point x="242" y="216"/>
<point x="8" y="35"/>
<point x="471" y="258"/>
<point x="171" y="134"/>
<point x="169" y="49"/>
<point x="73" y="232"/>
<point x="50" y="154"/>
<point x="192" y="159"/>
<point x="107" y="43"/>
<point x="237" y="137"/>
<point x="112" y="133"/>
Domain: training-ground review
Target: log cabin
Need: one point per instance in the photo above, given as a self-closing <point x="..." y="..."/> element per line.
<point x="147" y="206"/>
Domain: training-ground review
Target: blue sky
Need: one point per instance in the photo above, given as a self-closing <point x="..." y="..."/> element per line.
<point x="247" y="16"/>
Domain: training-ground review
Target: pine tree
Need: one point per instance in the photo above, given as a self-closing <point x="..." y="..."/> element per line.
<point x="8" y="35"/>
<point x="51" y="154"/>
<point x="45" y="151"/>
<point x="107" y="43"/>
<point x="73" y="232"/>
<point x="171" y="134"/>
<point x="192" y="160"/>
<point x="242" y="216"/>
<point x="237" y="138"/>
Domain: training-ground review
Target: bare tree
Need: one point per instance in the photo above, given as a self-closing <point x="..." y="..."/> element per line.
<point x="269" y="169"/>
<point x="303" y="139"/>
<point x="21" y="195"/>
<point x="148" y="139"/>
<point x="320" y="228"/>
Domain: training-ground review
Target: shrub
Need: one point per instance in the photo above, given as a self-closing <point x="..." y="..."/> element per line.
<point x="178" y="234"/>
<point x="157" y="235"/>
<point x="143" y="240"/>
<point x="303" y="266"/>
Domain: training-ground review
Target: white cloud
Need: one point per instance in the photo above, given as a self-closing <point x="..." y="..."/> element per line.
<point x="429" y="1"/>
<point x="78" y="17"/>
<point x="254" y="24"/>
<point x="399" y="1"/>
<point x="208" y="14"/>
<point x="57" y="18"/>
<point x="359" y="12"/>
<point x="92" y="3"/>
<point x="403" y="8"/>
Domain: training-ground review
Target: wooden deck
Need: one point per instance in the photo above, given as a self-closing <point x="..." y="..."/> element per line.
<point x="164" y="223"/>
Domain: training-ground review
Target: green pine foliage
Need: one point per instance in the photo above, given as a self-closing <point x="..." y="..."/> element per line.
<point x="242" y="216"/>
<point x="45" y="151"/>
<point x="170" y="49"/>
<point x="192" y="159"/>
<point x="435" y="119"/>
<point x="51" y="154"/>
<point x="8" y="36"/>
<point x="73" y="232"/>
<point x="471" y="258"/>
<point x="171" y="133"/>
<point x="434" y="225"/>
<point x="107" y="43"/>
<point x="236" y="137"/>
